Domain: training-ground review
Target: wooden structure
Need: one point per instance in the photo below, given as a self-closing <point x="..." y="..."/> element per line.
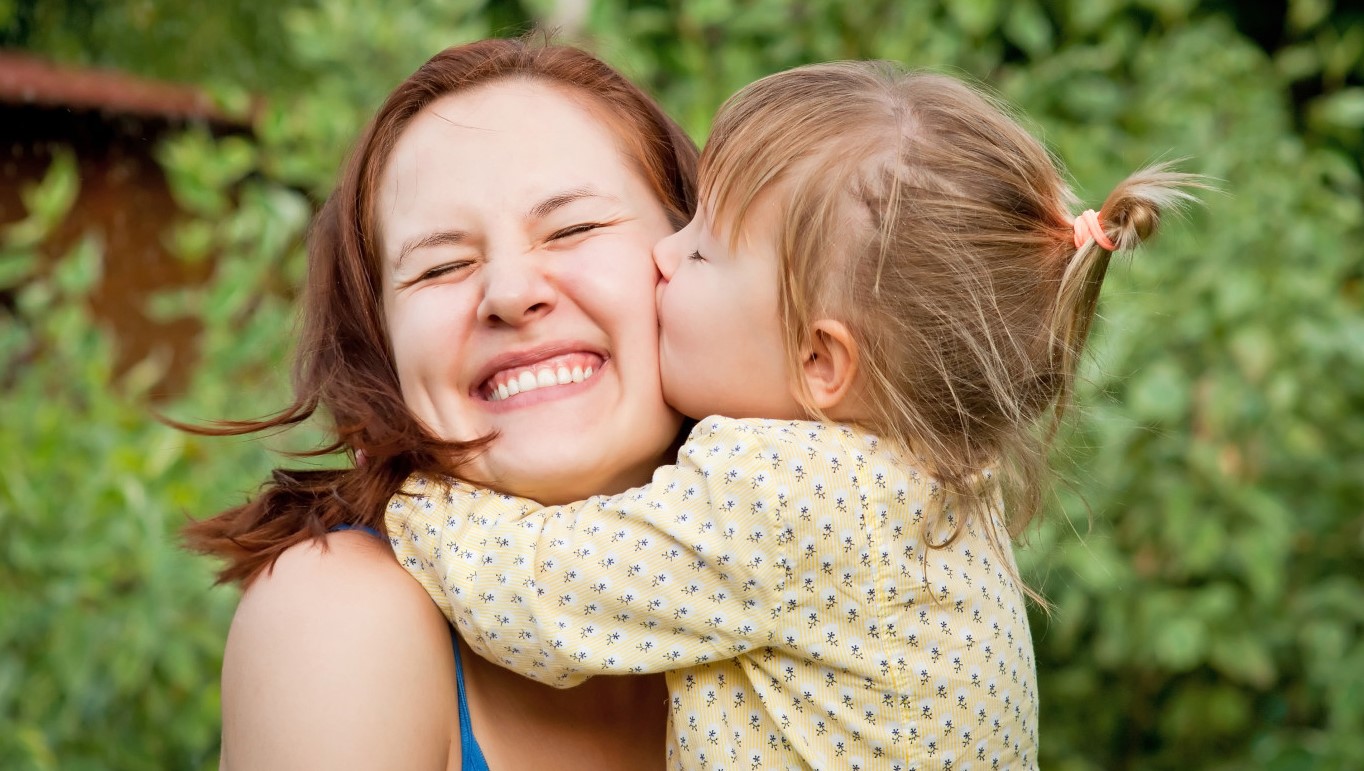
<point x="112" y="122"/>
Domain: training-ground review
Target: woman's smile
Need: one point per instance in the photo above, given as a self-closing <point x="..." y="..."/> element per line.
<point x="544" y="374"/>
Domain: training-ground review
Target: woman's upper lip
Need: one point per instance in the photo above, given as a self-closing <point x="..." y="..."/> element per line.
<point x="524" y="357"/>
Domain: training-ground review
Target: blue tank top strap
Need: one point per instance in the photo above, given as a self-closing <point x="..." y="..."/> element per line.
<point x="471" y="755"/>
<point x="361" y="528"/>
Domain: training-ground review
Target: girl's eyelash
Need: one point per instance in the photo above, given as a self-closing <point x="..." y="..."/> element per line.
<point x="696" y="255"/>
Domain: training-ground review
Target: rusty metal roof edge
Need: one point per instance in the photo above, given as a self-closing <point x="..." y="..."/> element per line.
<point x="26" y="79"/>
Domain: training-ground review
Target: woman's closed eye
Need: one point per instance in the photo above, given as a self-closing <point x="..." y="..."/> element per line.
<point x="441" y="270"/>
<point x="449" y="267"/>
<point x="579" y="229"/>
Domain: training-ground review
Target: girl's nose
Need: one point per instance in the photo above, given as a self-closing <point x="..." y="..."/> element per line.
<point x="669" y="252"/>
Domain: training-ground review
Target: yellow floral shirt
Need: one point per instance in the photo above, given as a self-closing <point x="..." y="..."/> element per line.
<point x="778" y="574"/>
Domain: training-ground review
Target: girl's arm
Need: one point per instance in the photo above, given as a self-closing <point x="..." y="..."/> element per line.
<point x="337" y="660"/>
<point x="696" y="566"/>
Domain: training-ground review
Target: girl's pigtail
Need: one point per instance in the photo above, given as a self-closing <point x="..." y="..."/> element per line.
<point x="1130" y="216"/>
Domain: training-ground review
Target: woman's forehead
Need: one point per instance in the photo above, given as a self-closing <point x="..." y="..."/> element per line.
<point x="507" y="136"/>
<point x="536" y="117"/>
<point x="505" y="151"/>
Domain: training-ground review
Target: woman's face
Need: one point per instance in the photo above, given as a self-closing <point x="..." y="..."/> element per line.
<point x="519" y="290"/>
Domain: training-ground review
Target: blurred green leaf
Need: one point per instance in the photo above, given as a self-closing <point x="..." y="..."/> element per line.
<point x="1305" y="14"/>
<point x="15" y="266"/>
<point x="975" y="17"/>
<point x="1243" y="659"/>
<point x="46" y="202"/>
<point x="1343" y="109"/>
<point x="1161" y="393"/>
<point x="1027" y="27"/>
<point x="79" y="271"/>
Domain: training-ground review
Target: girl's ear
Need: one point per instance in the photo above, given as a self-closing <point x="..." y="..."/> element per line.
<point x="830" y="366"/>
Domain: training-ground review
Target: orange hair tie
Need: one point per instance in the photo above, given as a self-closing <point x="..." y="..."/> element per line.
<point x="1087" y="226"/>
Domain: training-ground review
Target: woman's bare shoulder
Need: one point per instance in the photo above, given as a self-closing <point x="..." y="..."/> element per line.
<point x="338" y="659"/>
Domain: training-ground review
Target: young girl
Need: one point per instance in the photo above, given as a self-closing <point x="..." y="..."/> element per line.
<point x="885" y="294"/>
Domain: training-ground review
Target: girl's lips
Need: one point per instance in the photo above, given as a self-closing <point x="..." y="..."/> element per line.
<point x="551" y="372"/>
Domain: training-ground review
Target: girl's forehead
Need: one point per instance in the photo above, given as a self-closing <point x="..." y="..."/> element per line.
<point x="758" y="224"/>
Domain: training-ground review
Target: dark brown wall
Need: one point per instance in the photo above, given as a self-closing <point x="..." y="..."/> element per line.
<point x="124" y="200"/>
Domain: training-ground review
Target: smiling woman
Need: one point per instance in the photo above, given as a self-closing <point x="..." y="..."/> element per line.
<point x="479" y="304"/>
<point x="525" y="271"/>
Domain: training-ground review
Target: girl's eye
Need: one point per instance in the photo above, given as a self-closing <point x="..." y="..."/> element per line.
<point x="574" y="230"/>
<point x="696" y="256"/>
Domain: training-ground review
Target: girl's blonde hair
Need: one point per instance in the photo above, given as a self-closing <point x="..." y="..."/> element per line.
<point x="916" y="210"/>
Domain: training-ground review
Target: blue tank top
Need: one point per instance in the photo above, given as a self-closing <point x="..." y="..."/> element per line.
<point x="471" y="755"/>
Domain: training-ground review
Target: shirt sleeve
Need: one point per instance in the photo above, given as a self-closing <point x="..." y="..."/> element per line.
<point x="690" y="568"/>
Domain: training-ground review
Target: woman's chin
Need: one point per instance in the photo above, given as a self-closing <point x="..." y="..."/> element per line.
<point x="560" y="472"/>
<point x="592" y="454"/>
<point x="548" y="490"/>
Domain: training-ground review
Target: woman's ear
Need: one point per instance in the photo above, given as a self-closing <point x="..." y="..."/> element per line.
<point x="830" y="366"/>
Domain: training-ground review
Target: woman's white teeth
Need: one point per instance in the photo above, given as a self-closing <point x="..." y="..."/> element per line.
<point x="529" y="380"/>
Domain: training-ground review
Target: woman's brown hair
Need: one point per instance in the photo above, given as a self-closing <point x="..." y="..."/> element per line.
<point x="343" y="370"/>
<point x="917" y="210"/>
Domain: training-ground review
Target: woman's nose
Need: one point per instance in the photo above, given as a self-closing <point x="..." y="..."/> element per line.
<point x="515" y="292"/>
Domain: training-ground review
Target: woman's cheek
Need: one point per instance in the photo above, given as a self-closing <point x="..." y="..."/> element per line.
<point x="428" y="329"/>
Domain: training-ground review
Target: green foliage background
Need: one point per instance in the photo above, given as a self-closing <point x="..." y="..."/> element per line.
<point x="1204" y="558"/>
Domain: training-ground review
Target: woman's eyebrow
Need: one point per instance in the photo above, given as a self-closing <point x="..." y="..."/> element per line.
<point x="560" y="200"/>
<point x="438" y="238"/>
<point x="542" y="209"/>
